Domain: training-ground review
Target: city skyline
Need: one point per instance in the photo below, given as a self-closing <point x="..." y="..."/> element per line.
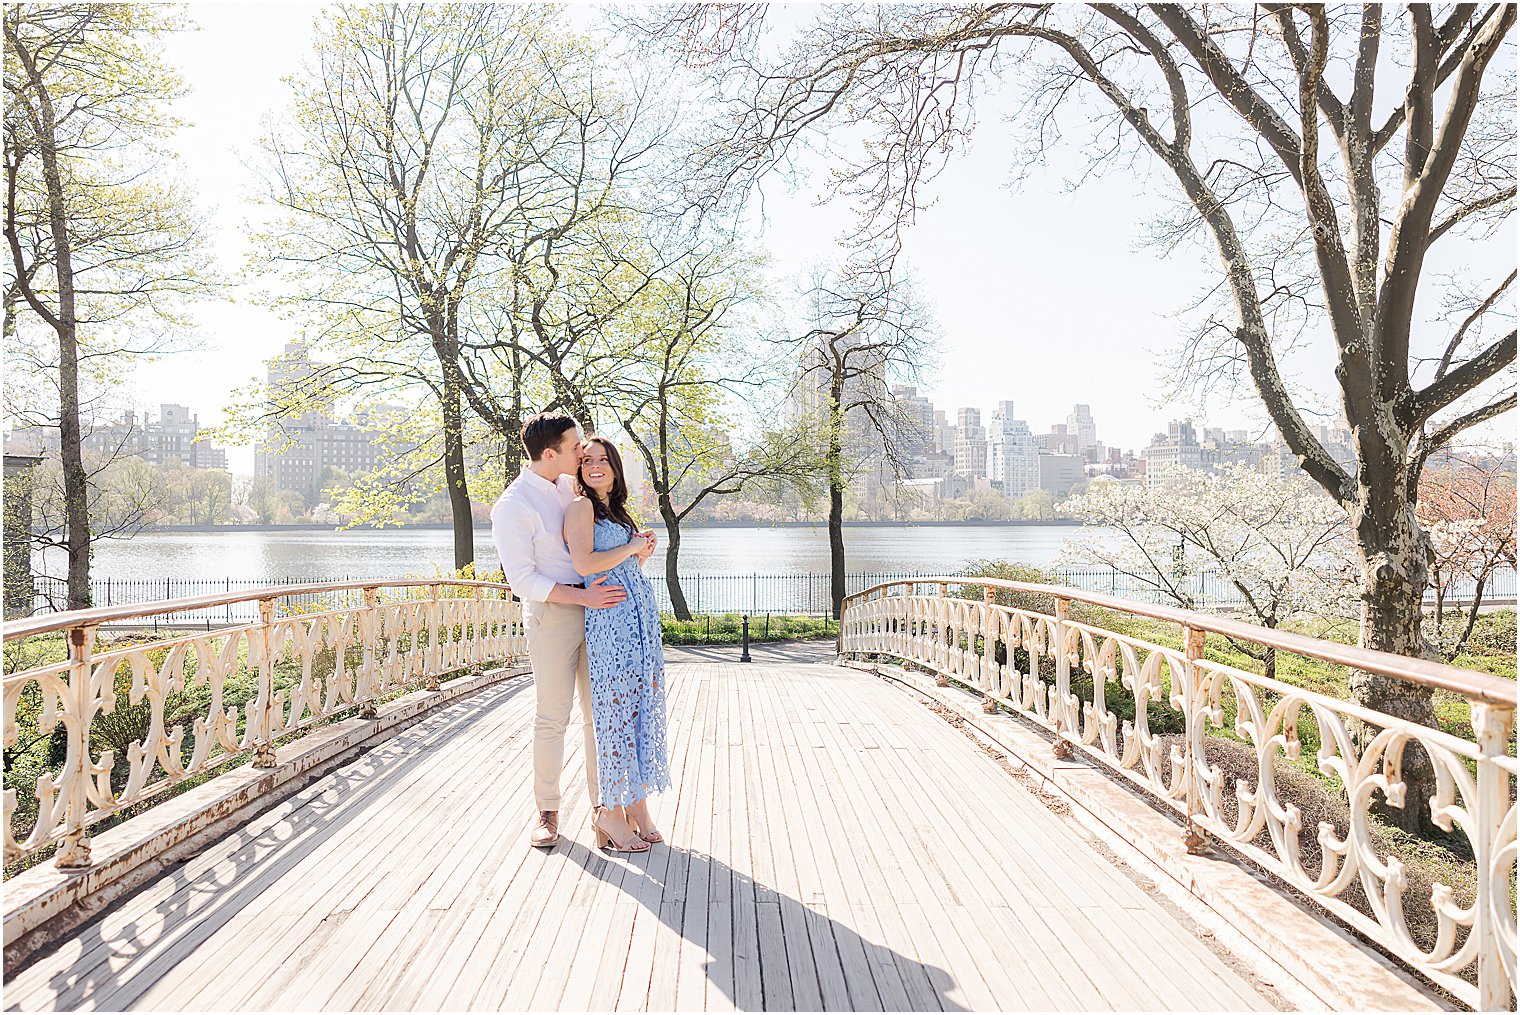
<point x="183" y="420"/>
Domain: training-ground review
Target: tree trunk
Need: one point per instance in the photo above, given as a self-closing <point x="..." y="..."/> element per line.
<point x="454" y="474"/>
<point x="76" y="496"/>
<point x="513" y="462"/>
<point x="836" y="499"/>
<point x="1440" y="587"/>
<point x="836" y="546"/>
<point x="673" y="559"/>
<point x="76" y="493"/>
<point x="1392" y="547"/>
<point x="1473" y="607"/>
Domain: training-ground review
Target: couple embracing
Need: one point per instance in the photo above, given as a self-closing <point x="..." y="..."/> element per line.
<point x="572" y="553"/>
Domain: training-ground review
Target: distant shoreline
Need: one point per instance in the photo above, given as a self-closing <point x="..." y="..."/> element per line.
<point x="485" y="526"/>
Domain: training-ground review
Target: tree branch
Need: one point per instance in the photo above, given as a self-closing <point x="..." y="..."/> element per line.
<point x="1441" y="393"/>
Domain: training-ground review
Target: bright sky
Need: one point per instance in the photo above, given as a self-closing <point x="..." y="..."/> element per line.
<point x="1042" y="296"/>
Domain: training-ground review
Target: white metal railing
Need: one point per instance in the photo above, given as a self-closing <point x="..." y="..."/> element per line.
<point x="1360" y="753"/>
<point x="204" y="698"/>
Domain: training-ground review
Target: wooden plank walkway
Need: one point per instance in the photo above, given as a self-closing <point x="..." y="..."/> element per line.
<point x="833" y="845"/>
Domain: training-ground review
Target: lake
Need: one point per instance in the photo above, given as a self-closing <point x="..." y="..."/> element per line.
<point x="396" y="553"/>
<point x="791" y="563"/>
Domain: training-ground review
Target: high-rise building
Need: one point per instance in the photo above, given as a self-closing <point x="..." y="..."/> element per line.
<point x="169" y="438"/>
<point x="970" y="443"/>
<point x="944" y="434"/>
<point x="914" y="416"/>
<point x="296" y="453"/>
<point x="1013" y="455"/>
<point x="1060" y="440"/>
<point x="1080" y="424"/>
<point x="1059" y="473"/>
<point x="172" y="439"/>
<point x="1174" y="450"/>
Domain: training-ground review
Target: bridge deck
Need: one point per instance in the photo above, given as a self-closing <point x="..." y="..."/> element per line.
<point x="833" y="845"/>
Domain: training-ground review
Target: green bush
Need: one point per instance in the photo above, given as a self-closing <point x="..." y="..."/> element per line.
<point x="1493" y="634"/>
<point x="1009" y="571"/>
<point x="728" y="628"/>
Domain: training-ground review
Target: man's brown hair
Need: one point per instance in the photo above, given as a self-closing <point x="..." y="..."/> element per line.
<point x="544" y="431"/>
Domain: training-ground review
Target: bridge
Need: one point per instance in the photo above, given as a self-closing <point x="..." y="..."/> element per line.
<point x="981" y="798"/>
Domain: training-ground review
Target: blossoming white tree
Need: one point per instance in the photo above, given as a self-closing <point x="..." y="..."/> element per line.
<point x="1282" y="543"/>
<point x="1468" y="509"/>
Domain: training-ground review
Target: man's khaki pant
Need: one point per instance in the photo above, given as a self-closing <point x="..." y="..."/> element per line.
<point x="557" y="651"/>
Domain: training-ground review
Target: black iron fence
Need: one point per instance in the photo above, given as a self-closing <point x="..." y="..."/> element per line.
<point x="806" y="594"/>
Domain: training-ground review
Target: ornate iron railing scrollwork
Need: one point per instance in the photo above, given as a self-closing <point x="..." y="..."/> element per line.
<point x="1200" y="704"/>
<point x="304" y="665"/>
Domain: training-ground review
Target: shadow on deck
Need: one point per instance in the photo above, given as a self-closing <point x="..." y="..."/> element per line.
<point x="829" y="849"/>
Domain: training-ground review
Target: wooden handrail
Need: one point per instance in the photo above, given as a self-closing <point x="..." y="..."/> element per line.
<point x="48" y="623"/>
<point x="1469" y="683"/>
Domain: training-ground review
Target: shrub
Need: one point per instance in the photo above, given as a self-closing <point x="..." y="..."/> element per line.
<point x="1426" y="862"/>
<point x="1493" y="634"/>
<point x="1004" y="570"/>
<point x="728" y="629"/>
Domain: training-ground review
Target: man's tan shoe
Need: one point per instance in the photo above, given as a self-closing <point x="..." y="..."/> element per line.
<point x="546" y="832"/>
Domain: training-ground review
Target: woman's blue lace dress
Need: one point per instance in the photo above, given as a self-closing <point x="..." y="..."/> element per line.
<point x="627" y="681"/>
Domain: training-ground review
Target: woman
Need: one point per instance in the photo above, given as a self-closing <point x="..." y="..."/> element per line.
<point x="623" y="650"/>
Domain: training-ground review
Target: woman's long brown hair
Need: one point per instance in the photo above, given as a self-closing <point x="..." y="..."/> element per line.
<point x="616" y="505"/>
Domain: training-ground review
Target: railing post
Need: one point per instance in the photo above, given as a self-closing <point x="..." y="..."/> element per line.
<point x="1491" y="729"/>
<point x="477" y="640"/>
<point x="366" y="689"/>
<point x="941" y="627"/>
<point x="1194" y="838"/>
<point x="263" y="741"/>
<point x="991" y="675"/>
<point x="74" y="850"/>
<point x="1062" y="746"/>
<point x="434" y="657"/>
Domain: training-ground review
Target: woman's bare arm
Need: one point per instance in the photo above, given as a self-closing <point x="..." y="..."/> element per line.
<point x="580" y="525"/>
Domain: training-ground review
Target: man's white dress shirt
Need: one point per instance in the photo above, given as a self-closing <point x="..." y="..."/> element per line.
<point x="527" y="525"/>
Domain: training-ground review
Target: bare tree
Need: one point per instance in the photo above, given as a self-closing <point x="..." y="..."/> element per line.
<point x="1467" y="503"/>
<point x="98" y="235"/>
<point x="398" y="179"/>
<point x="1265" y="118"/>
<point x="578" y="259"/>
<point x="125" y="494"/>
<point x="677" y="408"/>
<point x="458" y="188"/>
<point x="866" y="326"/>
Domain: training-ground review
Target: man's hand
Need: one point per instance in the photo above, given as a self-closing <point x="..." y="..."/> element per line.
<point x="597" y="596"/>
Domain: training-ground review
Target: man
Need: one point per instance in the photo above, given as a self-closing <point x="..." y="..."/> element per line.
<point x="527" y="523"/>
